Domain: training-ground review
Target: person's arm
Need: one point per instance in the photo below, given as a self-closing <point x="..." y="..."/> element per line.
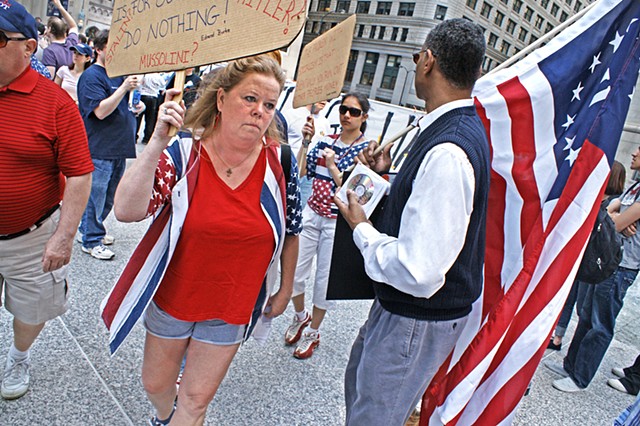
<point x="57" y="251"/>
<point x="134" y="191"/>
<point x="58" y="80"/>
<point x="288" y="261"/>
<point x="433" y="226"/>
<point x="109" y="104"/>
<point x="330" y="159"/>
<point x="628" y="217"/>
<point x="66" y="16"/>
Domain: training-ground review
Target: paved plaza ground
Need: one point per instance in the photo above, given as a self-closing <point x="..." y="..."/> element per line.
<point x="76" y="382"/>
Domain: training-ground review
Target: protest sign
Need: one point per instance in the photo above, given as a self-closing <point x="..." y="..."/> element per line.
<point x="167" y="35"/>
<point x="323" y="64"/>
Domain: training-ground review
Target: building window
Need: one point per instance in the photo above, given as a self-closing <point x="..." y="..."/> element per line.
<point x="351" y="65"/>
<point x="406" y="9"/>
<point x="577" y="7"/>
<point x="324" y="5"/>
<point x="528" y="14"/>
<point x="405" y="34"/>
<point x="568" y="2"/>
<point x="384" y="8"/>
<point x="472" y="4"/>
<point x="360" y="30"/>
<point x="511" y="26"/>
<point x="549" y="28"/>
<point x="554" y="10"/>
<point x="486" y="10"/>
<point x="563" y="16"/>
<point x="499" y="18"/>
<point x="441" y="13"/>
<point x="394" y="34"/>
<point x="493" y="39"/>
<point x="369" y="68"/>
<point x="504" y="48"/>
<point x="315" y="28"/>
<point x="544" y="3"/>
<point x="517" y="5"/>
<point x="390" y="72"/>
<point x="486" y="64"/>
<point x="532" y="39"/>
<point x="372" y="33"/>
<point x="343" y="5"/>
<point x="539" y="22"/>
<point x="505" y="1"/>
<point x="381" y="33"/>
<point x="363" y="7"/>
<point x="522" y="36"/>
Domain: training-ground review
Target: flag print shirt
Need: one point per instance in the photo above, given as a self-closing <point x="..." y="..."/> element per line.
<point x="324" y="188"/>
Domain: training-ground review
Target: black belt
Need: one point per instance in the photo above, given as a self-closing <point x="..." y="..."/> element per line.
<point x="35" y="226"/>
<point x="628" y="269"/>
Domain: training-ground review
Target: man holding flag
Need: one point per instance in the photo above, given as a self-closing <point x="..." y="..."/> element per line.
<point x="428" y="250"/>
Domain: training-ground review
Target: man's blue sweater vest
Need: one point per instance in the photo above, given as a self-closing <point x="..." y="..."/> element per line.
<point x="463" y="282"/>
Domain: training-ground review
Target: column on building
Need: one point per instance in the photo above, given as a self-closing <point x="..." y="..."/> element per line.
<point x="357" y="73"/>
<point x="377" y="79"/>
<point x="404" y="81"/>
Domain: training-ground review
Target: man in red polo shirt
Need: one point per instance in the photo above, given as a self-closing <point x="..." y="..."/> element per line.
<point x="44" y="160"/>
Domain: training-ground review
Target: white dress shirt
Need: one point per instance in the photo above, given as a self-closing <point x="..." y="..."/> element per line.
<point x="433" y="225"/>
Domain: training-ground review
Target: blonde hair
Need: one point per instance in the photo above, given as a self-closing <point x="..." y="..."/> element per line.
<point x="203" y="112"/>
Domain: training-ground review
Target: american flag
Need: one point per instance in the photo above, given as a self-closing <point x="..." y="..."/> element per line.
<point x="554" y="120"/>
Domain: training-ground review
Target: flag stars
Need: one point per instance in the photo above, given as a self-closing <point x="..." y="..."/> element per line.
<point x="616" y="41"/>
<point x="569" y="121"/>
<point x="573" y="154"/>
<point x="569" y="143"/>
<point x="606" y="76"/>
<point x="595" y="63"/>
<point x="576" y="92"/>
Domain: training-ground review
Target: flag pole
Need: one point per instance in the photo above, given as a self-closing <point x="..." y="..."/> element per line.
<point x="524" y="52"/>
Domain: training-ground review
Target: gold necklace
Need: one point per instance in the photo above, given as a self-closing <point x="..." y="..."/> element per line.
<point x="229" y="170"/>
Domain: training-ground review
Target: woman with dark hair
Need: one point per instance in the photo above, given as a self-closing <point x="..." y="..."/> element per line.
<point x="67" y="76"/>
<point x="325" y="163"/>
<point x="227" y="217"/>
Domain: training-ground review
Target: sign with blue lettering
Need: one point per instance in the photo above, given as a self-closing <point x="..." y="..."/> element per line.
<point x="167" y="35"/>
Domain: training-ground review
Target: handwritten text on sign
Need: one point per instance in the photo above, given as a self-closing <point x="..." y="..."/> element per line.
<point x="165" y="35"/>
<point x="323" y="64"/>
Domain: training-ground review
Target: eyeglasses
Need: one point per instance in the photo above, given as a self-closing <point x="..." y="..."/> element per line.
<point x="354" y="112"/>
<point x="4" y="39"/>
<point x="416" y="56"/>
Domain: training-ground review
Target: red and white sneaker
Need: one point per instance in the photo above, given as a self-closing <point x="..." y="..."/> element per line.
<point x="306" y="346"/>
<point x="294" y="331"/>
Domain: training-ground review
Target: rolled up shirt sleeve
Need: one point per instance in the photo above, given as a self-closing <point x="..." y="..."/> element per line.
<point x="433" y="226"/>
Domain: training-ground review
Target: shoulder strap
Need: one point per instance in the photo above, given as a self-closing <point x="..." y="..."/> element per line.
<point x="285" y="160"/>
<point x="629" y="189"/>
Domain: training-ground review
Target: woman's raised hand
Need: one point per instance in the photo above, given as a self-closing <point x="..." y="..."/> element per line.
<point x="170" y="114"/>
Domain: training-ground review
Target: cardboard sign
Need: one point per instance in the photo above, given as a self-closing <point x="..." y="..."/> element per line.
<point x="167" y="35"/>
<point x="323" y="64"/>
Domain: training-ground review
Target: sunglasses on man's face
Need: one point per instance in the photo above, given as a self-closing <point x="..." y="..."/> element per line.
<point x="354" y="112"/>
<point x="416" y="56"/>
<point x="4" y="39"/>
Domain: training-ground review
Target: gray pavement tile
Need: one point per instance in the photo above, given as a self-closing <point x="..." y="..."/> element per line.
<point x="64" y="390"/>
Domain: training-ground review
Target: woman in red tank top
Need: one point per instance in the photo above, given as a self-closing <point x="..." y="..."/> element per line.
<point x="219" y="276"/>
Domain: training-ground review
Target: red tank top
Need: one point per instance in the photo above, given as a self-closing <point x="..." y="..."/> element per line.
<point x="223" y="252"/>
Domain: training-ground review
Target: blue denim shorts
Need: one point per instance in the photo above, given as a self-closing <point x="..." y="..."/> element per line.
<point x="216" y="332"/>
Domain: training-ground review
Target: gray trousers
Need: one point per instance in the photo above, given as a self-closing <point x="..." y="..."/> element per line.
<point x="392" y="362"/>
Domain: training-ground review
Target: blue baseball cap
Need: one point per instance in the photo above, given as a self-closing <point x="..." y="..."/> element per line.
<point x="15" y="18"/>
<point x="83" y="49"/>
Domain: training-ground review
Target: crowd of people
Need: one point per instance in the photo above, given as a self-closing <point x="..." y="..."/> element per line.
<point x="242" y="180"/>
